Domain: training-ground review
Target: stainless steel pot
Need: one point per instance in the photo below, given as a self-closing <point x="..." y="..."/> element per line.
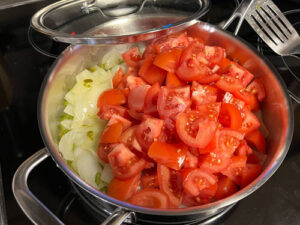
<point x="276" y="112"/>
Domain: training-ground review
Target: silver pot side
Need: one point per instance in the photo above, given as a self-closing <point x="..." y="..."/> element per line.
<point x="276" y="112"/>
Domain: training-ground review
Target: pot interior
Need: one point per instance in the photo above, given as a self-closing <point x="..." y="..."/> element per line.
<point x="276" y="110"/>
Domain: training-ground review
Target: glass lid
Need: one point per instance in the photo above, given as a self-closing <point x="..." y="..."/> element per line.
<point x="116" y="21"/>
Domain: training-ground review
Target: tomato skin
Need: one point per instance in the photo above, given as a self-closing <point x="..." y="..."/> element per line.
<point x="154" y="75"/>
<point x="172" y="101"/>
<point x="123" y="189"/>
<point x="250" y="172"/>
<point x="147" y="131"/>
<point x="203" y="128"/>
<point x="195" y="180"/>
<point x="151" y="198"/>
<point x="124" y="163"/>
<point x="118" y="77"/>
<point x="170" y="155"/>
<point x="173" y="81"/>
<point x="150" y="106"/>
<point x="228" y="83"/>
<point x="257" y="139"/>
<point x="111" y="97"/>
<point x="136" y="97"/>
<point x="257" y="88"/>
<point x="132" y="57"/>
<point x="170" y="183"/>
<point x="112" y="133"/>
<point x="148" y="61"/>
<point x="168" y="60"/>
<point x="226" y="187"/>
<point x="230" y="116"/>
<point x="119" y="119"/>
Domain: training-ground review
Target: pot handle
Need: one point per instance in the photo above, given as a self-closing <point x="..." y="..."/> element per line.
<point x="34" y="209"/>
<point x="118" y="217"/>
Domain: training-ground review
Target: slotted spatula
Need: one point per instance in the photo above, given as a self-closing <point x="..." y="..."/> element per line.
<point x="270" y="24"/>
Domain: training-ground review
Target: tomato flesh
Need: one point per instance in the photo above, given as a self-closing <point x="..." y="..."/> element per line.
<point x="151" y="198"/>
<point x="124" y="163"/>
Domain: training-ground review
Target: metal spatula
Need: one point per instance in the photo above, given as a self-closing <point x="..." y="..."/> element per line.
<point x="271" y="25"/>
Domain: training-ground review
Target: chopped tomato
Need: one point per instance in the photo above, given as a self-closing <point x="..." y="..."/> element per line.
<point x="257" y="139"/>
<point x="118" y="77"/>
<point x="111" y="97"/>
<point x="250" y="172"/>
<point x="149" y="178"/>
<point x="112" y="133"/>
<point x="247" y="97"/>
<point x="191" y="138"/>
<point x="164" y="44"/>
<point x="136" y="97"/>
<point x="228" y="140"/>
<point x="107" y="111"/>
<point x="230" y="116"/>
<point x="123" y="189"/>
<point x="150" y="106"/>
<point x="124" y="163"/>
<point x="210" y="78"/>
<point x="257" y="88"/>
<point x="154" y="75"/>
<point x="151" y="198"/>
<point x="148" y="131"/>
<point x="195" y="180"/>
<point x="240" y="73"/>
<point x="133" y="82"/>
<point x="203" y="94"/>
<point x="214" y="54"/>
<point x="173" y="81"/>
<point x="212" y="110"/>
<point x="235" y="169"/>
<point x="172" y="101"/>
<point x="168" y="60"/>
<point x="195" y="129"/>
<point x="170" y="155"/>
<point x="228" y="83"/>
<point x="170" y="182"/>
<point x="250" y="122"/>
<point x="119" y="119"/>
<point x="213" y="162"/>
<point x="104" y="150"/>
<point x="192" y="70"/>
<point x="226" y="187"/>
<point x="132" y="57"/>
<point x="151" y="73"/>
<point x="229" y="98"/>
<point x="191" y="161"/>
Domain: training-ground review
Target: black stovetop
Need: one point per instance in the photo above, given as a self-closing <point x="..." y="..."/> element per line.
<point x="22" y="70"/>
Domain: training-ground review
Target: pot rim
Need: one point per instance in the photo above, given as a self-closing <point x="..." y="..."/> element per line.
<point x="259" y="181"/>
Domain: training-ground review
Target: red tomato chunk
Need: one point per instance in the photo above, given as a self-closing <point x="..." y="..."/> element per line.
<point x="181" y="128"/>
